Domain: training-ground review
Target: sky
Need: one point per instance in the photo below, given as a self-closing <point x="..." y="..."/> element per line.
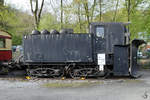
<point x="24" y="5"/>
<point x="19" y="4"/>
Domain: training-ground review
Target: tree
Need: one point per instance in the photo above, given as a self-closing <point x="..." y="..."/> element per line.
<point x="1" y="2"/>
<point x="61" y="6"/>
<point x="131" y="5"/>
<point x="77" y="11"/>
<point x="134" y="15"/>
<point x="89" y="11"/>
<point x="93" y="9"/>
<point x="49" y="21"/>
<point x="100" y="10"/>
<point x="79" y="15"/>
<point x="116" y="9"/>
<point x="128" y="8"/>
<point x="37" y="11"/>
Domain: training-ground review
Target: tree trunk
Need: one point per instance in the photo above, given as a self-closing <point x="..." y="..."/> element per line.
<point x="129" y="6"/>
<point x="61" y="14"/>
<point x="100" y="8"/>
<point x="79" y="16"/>
<point x="37" y="12"/>
<point x="93" y="9"/>
<point x="86" y="8"/>
<point x="116" y="9"/>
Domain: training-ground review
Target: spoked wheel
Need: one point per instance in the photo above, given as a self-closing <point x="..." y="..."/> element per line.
<point x="74" y="74"/>
<point x="60" y="73"/>
<point x="33" y="73"/>
<point x="4" y="70"/>
<point x="45" y="72"/>
<point x="78" y="72"/>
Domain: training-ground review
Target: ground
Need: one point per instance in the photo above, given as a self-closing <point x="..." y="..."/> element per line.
<point x="68" y="89"/>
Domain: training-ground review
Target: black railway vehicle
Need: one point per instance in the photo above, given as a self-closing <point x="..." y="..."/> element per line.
<point x="105" y="50"/>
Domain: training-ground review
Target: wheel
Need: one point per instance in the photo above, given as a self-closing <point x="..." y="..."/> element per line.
<point x="77" y="72"/>
<point x="46" y="72"/>
<point x="60" y="73"/>
<point x="30" y="73"/>
<point x="4" y="70"/>
<point x="73" y="74"/>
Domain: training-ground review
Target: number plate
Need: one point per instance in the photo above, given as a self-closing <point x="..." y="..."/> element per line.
<point x="101" y="59"/>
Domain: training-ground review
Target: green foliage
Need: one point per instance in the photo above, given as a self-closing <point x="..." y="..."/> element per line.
<point x="5" y="15"/>
<point x="15" y="22"/>
<point x="136" y="24"/>
<point x="48" y="21"/>
<point x="16" y="40"/>
<point x="146" y="24"/>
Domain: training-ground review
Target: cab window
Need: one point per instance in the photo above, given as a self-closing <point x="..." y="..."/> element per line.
<point x="100" y="31"/>
<point x="2" y="43"/>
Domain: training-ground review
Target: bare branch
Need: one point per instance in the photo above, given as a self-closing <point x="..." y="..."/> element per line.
<point x="37" y="12"/>
<point x="39" y="15"/>
<point x="85" y="3"/>
<point x="61" y="13"/>
<point x="36" y="6"/>
<point x="93" y="8"/>
<point x="117" y="4"/>
<point x="31" y="6"/>
<point x="100" y="8"/>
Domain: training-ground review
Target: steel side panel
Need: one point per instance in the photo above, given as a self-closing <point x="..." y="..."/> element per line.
<point x="58" y="48"/>
<point x="121" y="65"/>
<point x="134" y="67"/>
<point x="114" y="36"/>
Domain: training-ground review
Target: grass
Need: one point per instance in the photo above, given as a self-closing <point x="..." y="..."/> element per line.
<point x="133" y="81"/>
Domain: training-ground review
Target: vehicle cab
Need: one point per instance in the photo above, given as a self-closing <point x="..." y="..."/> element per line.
<point x="5" y="46"/>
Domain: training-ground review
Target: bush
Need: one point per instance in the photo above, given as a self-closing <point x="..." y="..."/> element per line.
<point x="16" y="40"/>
